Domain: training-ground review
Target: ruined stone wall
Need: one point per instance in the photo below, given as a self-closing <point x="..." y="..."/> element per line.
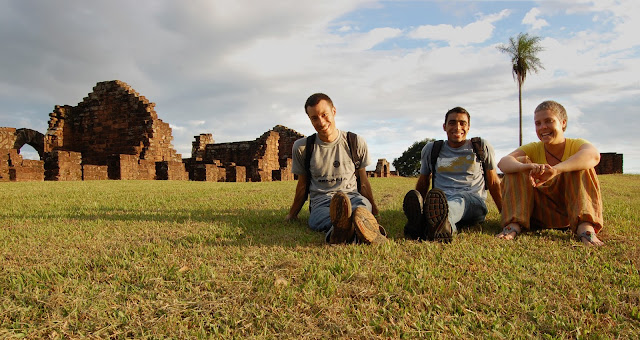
<point x="236" y="152"/>
<point x="113" y="119"/>
<point x="7" y="139"/>
<point x="610" y="163"/>
<point x="22" y="170"/>
<point x="267" y="158"/>
<point x="94" y="172"/>
<point x="171" y="170"/>
<point x="382" y="168"/>
<point x="63" y="166"/>
<point x="199" y="146"/>
<point x="285" y="143"/>
<point x="130" y="167"/>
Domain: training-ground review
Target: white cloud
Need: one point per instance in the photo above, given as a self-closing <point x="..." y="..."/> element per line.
<point x="237" y="68"/>
<point x="531" y="19"/>
<point x="475" y="32"/>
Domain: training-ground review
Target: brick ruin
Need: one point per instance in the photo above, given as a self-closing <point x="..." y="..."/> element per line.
<point x="383" y="169"/>
<point x="268" y="158"/>
<point x="12" y="166"/>
<point x="610" y="163"/>
<point x="115" y="133"/>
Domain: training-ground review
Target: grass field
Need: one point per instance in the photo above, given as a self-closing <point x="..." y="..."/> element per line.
<point x="157" y="259"/>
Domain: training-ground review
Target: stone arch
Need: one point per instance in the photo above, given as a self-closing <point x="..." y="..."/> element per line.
<point x="31" y="137"/>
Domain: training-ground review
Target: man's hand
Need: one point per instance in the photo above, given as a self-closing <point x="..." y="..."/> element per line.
<point x="290" y="218"/>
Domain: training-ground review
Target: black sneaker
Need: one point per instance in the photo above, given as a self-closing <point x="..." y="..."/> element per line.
<point x="340" y="213"/>
<point x="436" y="213"/>
<point x="412" y="207"/>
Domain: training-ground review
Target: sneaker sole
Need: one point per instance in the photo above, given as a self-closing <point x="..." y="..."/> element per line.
<point x="412" y="207"/>
<point x="367" y="227"/>
<point x="436" y="213"/>
<point x="340" y="210"/>
<point x="340" y="214"/>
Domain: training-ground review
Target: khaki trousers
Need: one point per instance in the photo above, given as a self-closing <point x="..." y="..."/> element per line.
<point x="566" y="201"/>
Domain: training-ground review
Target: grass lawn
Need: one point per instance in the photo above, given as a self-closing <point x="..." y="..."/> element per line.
<point x="158" y="259"/>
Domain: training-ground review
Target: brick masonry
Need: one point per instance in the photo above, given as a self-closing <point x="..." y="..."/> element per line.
<point x="115" y="133"/>
<point x="610" y="163"/>
<point x="63" y="166"/>
<point x="265" y="159"/>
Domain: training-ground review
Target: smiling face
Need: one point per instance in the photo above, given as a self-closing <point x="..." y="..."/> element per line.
<point x="322" y="117"/>
<point x="549" y="127"/>
<point x="456" y="127"/>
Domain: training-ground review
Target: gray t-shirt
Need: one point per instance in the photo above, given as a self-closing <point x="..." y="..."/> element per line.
<point x="457" y="168"/>
<point x="332" y="168"/>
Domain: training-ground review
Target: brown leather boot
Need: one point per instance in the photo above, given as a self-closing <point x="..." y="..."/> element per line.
<point x="340" y="213"/>
<point x="367" y="227"/>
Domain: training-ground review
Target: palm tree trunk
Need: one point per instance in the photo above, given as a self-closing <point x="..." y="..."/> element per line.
<point x="520" y="109"/>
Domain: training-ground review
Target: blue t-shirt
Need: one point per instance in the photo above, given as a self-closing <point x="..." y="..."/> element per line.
<point x="457" y="169"/>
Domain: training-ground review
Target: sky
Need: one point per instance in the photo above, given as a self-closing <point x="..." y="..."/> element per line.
<point x="237" y="68"/>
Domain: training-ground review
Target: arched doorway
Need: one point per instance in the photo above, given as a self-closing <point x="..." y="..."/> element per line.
<point x="32" y="138"/>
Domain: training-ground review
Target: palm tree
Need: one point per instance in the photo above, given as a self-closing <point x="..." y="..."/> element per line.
<point x="523" y="50"/>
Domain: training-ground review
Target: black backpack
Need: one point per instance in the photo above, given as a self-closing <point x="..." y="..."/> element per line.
<point x="478" y="148"/>
<point x="352" y="143"/>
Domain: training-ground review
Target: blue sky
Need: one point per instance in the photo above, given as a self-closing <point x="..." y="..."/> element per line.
<point x="236" y="68"/>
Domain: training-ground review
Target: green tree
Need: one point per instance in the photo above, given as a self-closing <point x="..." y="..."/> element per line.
<point x="522" y="50"/>
<point x="409" y="163"/>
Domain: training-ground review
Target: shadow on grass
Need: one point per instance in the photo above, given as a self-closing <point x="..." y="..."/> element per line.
<point x="242" y="226"/>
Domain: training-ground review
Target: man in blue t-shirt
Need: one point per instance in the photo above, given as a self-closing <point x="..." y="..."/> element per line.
<point x="458" y="194"/>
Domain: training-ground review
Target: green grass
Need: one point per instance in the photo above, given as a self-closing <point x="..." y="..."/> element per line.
<point x="158" y="259"/>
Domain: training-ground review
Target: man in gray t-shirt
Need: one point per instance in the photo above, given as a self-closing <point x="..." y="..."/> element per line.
<point x="458" y="197"/>
<point x="336" y="206"/>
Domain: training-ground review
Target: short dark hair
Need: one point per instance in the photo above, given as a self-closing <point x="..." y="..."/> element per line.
<point x="315" y="98"/>
<point x="457" y="109"/>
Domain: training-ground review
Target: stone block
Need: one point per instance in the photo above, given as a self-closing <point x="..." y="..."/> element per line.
<point x="94" y="172"/>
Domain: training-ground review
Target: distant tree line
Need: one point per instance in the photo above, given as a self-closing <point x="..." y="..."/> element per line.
<point x="408" y="164"/>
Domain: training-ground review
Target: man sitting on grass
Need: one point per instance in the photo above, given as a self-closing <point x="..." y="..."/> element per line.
<point x="330" y="175"/>
<point x="459" y="168"/>
<point x="552" y="183"/>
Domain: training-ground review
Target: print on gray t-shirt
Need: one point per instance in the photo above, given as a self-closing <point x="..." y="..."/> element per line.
<point x="332" y="168"/>
<point x="457" y="169"/>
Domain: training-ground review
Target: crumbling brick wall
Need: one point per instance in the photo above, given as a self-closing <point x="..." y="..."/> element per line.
<point x="199" y="145"/>
<point x="266" y="158"/>
<point x="22" y="170"/>
<point x="610" y="163"/>
<point x="285" y="143"/>
<point x="382" y="168"/>
<point x="63" y="166"/>
<point x="7" y="140"/>
<point x="113" y="119"/>
<point x="94" y="172"/>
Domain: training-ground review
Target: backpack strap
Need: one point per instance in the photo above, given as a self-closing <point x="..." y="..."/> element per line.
<point x="352" y="143"/>
<point x="308" y="151"/>
<point x="435" y="151"/>
<point x="478" y="148"/>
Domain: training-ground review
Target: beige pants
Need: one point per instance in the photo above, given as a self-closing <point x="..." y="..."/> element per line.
<point x="565" y="201"/>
